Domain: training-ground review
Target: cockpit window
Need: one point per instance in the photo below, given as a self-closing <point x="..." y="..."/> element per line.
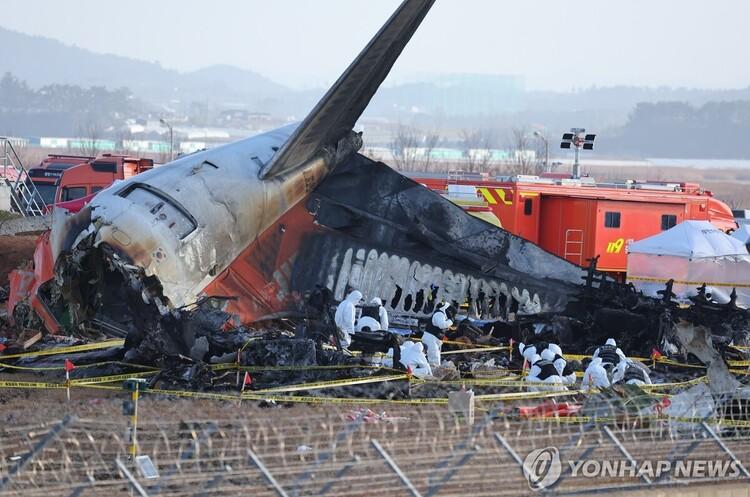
<point x="163" y="207"/>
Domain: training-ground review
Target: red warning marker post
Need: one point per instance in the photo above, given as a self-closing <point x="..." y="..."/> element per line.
<point x="69" y="366"/>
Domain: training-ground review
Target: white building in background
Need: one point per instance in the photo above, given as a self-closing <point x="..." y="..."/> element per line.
<point x="153" y="146"/>
<point x="188" y="147"/>
<point x="50" y="142"/>
<point x="17" y="141"/>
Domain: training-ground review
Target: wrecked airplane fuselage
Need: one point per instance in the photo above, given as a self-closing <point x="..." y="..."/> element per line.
<point x="164" y="239"/>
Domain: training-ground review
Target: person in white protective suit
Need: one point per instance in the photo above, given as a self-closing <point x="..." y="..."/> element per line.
<point x="412" y="356"/>
<point x="532" y="376"/>
<point x="631" y="373"/>
<point x="529" y="351"/>
<point x="567" y="374"/>
<point x="374" y="316"/>
<point x="610" y="354"/>
<point x="345" y="317"/>
<point x="544" y="374"/>
<point x="595" y="375"/>
<point x="435" y="332"/>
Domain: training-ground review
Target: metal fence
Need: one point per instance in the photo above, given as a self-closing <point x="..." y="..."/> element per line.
<point x="340" y="451"/>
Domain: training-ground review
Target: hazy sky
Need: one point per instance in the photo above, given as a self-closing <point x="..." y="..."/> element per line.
<point x="553" y="44"/>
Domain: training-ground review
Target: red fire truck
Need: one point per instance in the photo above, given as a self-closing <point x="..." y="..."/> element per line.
<point x="578" y="219"/>
<point x="45" y="175"/>
<point x="95" y="175"/>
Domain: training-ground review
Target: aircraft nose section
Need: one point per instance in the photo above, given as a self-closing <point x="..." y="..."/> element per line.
<point x="121" y="225"/>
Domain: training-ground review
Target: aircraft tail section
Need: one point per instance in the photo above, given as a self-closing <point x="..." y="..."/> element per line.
<point x="334" y="116"/>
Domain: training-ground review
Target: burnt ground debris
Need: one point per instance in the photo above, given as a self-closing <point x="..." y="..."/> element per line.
<point x="291" y="344"/>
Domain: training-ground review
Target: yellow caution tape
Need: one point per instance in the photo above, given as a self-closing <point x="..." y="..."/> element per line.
<point x="491" y="381"/>
<point x="580" y="357"/>
<point x="525" y="395"/>
<point x="233" y="367"/>
<point x="31" y="368"/>
<point x="477" y="345"/>
<point x="343" y="400"/>
<point x="479" y="349"/>
<point x="691" y="283"/>
<point x="101" y="383"/>
<point x="658" y="386"/>
<point x="111" y="378"/>
<point x="82" y="366"/>
<point x="333" y="383"/>
<point x="468" y="344"/>
<point x="68" y="350"/>
<point x="670" y="362"/>
<point x="30" y="384"/>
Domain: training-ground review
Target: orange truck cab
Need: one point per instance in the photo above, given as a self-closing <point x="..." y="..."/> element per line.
<point x="48" y="172"/>
<point x="95" y="175"/>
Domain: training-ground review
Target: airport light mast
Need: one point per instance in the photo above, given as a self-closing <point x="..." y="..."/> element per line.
<point x="577" y="139"/>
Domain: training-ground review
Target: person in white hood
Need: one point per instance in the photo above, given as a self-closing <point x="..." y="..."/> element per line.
<point x="631" y="373"/>
<point x="412" y="356"/>
<point x="346" y="315"/>
<point x="595" y="375"/>
<point x="533" y="376"/>
<point x="529" y="351"/>
<point x="544" y="374"/>
<point x="374" y="316"/>
<point x="568" y="375"/>
<point x="435" y="332"/>
<point x="610" y="354"/>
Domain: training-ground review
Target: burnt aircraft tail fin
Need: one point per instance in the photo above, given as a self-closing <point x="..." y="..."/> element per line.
<point x="334" y="116"/>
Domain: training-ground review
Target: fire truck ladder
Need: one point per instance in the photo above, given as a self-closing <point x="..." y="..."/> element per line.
<point x="574" y="246"/>
<point x="24" y="197"/>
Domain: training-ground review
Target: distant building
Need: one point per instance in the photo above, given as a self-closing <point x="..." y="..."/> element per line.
<point x="189" y="147"/>
<point x="50" y="142"/>
<point x="88" y="144"/>
<point x="153" y="146"/>
<point x="17" y="142"/>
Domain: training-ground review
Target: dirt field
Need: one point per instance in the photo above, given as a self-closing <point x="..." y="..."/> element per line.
<point x="14" y="250"/>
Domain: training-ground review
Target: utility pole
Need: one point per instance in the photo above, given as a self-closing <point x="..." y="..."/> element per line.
<point x="171" y="138"/>
<point x="577" y="139"/>
<point x="544" y="139"/>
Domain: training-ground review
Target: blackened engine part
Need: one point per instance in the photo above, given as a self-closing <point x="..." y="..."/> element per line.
<point x="372" y="342"/>
<point x="279" y="352"/>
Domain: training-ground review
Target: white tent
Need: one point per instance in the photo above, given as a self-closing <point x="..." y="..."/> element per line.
<point x="692" y="253"/>
<point x="742" y="234"/>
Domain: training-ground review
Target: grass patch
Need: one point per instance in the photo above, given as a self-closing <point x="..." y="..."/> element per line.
<point x="5" y="215"/>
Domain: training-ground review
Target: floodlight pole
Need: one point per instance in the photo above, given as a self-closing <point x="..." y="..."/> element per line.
<point x="577" y="140"/>
<point x="171" y="138"/>
<point x="546" y="149"/>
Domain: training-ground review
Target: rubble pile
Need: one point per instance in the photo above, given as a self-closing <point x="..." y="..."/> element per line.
<point x="197" y="348"/>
